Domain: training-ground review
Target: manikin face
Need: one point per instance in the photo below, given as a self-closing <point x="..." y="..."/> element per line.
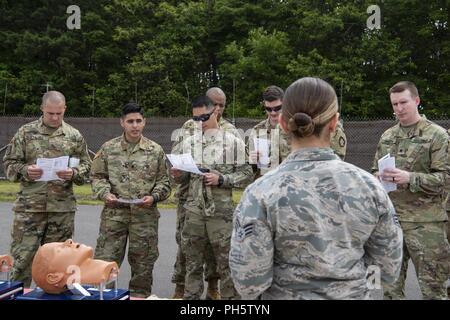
<point x="6" y="263"/>
<point x="53" y="114"/>
<point x="69" y="253"/>
<point x="133" y="124"/>
<point x="405" y="107"/>
<point x="55" y="264"/>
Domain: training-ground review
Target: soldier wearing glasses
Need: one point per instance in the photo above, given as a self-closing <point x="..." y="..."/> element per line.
<point x="218" y="99"/>
<point x="208" y="205"/>
<point x="267" y="130"/>
<point x="280" y="143"/>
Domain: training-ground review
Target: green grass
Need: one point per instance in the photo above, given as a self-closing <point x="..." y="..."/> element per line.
<point x="83" y="193"/>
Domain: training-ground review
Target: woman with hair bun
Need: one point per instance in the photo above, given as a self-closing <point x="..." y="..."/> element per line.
<point x="314" y="227"/>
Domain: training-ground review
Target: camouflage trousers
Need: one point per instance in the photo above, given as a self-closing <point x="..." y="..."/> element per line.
<point x="33" y="229"/>
<point x="178" y="277"/>
<point x="139" y="227"/>
<point x="427" y="246"/>
<point x="198" y="230"/>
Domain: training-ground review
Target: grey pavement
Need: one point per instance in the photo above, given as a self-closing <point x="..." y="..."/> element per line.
<point x="87" y="223"/>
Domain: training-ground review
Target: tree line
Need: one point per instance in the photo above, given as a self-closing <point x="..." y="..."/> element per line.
<point x="163" y="53"/>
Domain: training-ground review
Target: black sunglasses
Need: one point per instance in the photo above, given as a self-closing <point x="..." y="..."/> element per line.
<point x="276" y="109"/>
<point x="203" y="117"/>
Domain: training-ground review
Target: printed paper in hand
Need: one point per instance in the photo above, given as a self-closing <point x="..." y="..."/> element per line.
<point x="50" y="166"/>
<point x="74" y="162"/>
<point x="387" y="162"/>
<point x="130" y="201"/>
<point x="262" y="146"/>
<point x="184" y="162"/>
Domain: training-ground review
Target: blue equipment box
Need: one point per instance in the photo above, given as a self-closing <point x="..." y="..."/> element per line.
<point x="108" y="294"/>
<point x="9" y="290"/>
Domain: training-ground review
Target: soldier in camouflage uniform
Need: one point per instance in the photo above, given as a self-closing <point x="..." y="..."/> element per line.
<point x="44" y="211"/>
<point x="209" y="205"/>
<point x="311" y="228"/>
<point x="420" y="149"/>
<point x="130" y="167"/>
<point x="211" y="275"/>
<point x="279" y="140"/>
<point x="272" y="101"/>
<point x="447" y="184"/>
<point x="447" y="203"/>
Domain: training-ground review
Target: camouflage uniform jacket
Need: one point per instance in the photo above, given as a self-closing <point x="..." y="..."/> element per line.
<point x="186" y="131"/>
<point x="423" y="152"/>
<point x="130" y="174"/>
<point x="310" y="228"/>
<point x="215" y="149"/>
<point x="338" y="142"/>
<point x="35" y="140"/>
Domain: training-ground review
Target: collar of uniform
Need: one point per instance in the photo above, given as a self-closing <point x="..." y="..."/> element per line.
<point x="213" y="135"/>
<point x="418" y="128"/>
<point x="143" y="143"/>
<point x="43" y="129"/>
<point x="312" y="154"/>
<point x="268" y="125"/>
<point x="223" y="122"/>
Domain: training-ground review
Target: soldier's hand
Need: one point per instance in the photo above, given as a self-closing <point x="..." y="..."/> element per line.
<point x="110" y="200"/>
<point x="175" y="172"/>
<point x="66" y="174"/>
<point x="34" y="172"/>
<point x="211" y="179"/>
<point x="147" y="201"/>
<point x="396" y="176"/>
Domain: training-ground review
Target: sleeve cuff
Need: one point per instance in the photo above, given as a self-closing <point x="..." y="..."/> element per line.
<point x="24" y="174"/>
<point x="413" y="182"/>
<point x="155" y="197"/>
<point x="226" y="182"/>
<point x="75" y="174"/>
<point x="103" y="195"/>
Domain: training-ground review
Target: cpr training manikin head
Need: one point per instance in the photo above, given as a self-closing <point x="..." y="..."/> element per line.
<point x="58" y="264"/>
<point x="6" y="263"/>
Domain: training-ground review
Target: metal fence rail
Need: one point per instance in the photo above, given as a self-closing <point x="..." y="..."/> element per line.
<point x="362" y="136"/>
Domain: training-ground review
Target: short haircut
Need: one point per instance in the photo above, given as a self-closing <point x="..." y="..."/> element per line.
<point x="216" y="91"/>
<point x="202" y="101"/>
<point x="53" y="97"/>
<point x="273" y="93"/>
<point x="132" y="107"/>
<point x="405" y="85"/>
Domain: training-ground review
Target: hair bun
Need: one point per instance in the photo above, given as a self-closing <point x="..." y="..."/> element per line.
<point x="301" y="125"/>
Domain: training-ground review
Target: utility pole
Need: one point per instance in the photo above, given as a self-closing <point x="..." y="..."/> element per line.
<point x="234" y="100"/>
<point x="340" y="102"/>
<point x="93" y="101"/>
<point x="135" y="92"/>
<point x="188" y="98"/>
<point x="4" y="100"/>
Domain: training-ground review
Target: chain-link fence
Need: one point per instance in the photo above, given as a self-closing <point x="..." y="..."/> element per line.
<point x="362" y="136"/>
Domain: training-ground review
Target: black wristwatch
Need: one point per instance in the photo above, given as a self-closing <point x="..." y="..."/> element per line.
<point x="220" y="180"/>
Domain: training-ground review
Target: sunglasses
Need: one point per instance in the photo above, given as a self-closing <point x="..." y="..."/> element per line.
<point x="275" y="109"/>
<point x="203" y="117"/>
